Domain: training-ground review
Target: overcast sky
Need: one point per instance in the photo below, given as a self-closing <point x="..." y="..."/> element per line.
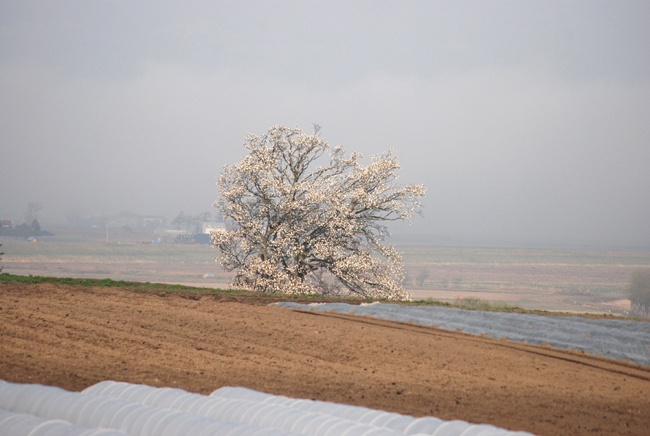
<point x="524" y="120"/>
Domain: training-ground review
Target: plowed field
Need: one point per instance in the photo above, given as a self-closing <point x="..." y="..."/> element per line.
<point x="74" y="336"/>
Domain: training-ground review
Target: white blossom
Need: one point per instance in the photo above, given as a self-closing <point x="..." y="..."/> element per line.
<point x="301" y="208"/>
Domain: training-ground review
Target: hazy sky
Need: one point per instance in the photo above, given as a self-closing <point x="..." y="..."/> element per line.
<point x="525" y="120"/>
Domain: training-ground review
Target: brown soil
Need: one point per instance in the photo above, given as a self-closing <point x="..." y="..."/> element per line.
<point x="75" y="336"/>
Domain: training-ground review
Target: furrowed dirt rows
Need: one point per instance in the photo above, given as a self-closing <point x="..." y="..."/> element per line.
<point x="75" y="336"/>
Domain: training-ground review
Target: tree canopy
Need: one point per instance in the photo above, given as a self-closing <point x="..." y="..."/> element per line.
<point x="23" y="230"/>
<point x="639" y="292"/>
<point x="307" y="219"/>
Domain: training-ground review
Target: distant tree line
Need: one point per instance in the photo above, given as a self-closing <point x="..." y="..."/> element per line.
<point x="23" y="230"/>
<point x="26" y="230"/>
<point x="639" y="292"/>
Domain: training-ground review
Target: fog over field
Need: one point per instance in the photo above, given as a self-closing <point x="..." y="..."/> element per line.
<point x="526" y="121"/>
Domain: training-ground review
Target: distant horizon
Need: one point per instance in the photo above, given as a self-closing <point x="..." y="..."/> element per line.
<point x="444" y="240"/>
<point x="473" y="241"/>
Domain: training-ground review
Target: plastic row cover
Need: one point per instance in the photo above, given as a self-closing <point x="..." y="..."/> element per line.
<point x="95" y="412"/>
<point x="378" y="418"/>
<point x="288" y="414"/>
<point x="265" y="415"/>
<point x="404" y="424"/>
<point x="613" y="338"/>
<point x="19" y="424"/>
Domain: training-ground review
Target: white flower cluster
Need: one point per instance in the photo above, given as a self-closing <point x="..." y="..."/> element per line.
<point x="295" y="219"/>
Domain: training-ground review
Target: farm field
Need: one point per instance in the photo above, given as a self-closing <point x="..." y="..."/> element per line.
<point x="160" y="263"/>
<point x="74" y="336"/>
<point x="560" y="280"/>
<point x="565" y="280"/>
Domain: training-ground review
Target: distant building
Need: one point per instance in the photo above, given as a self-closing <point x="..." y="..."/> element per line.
<point x="208" y="227"/>
<point x="124" y="220"/>
<point x="127" y="219"/>
<point x="5" y="223"/>
<point x="177" y="237"/>
<point x="202" y="238"/>
<point x="153" y="221"/>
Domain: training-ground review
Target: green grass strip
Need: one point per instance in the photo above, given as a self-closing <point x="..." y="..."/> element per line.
<point x="10" y="278"/>
<point x="262" y="299"/>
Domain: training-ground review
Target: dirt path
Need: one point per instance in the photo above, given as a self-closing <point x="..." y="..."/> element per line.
<point x="73" y="336"/>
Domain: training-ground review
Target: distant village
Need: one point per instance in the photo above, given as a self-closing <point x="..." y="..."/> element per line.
<point x="184" y="229"/>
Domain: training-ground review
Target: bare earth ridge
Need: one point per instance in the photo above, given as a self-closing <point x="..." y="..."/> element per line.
<point x="75" y="336"/>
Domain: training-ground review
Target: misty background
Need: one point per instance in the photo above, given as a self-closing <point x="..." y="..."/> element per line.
<point x="526" y="121"/>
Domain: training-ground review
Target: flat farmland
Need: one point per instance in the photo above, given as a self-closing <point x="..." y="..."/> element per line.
<point x="567" y="280"/>
<point x="559" y="280"/>
<point x="160" y="263"/>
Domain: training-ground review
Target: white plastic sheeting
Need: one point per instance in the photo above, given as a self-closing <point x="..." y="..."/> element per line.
<point x="94" y="412"/>
<point x="403" y="424"/>
<point x="118" y="409"/>
<point x="20" y="424"/>
<point x="613" y="338"/>
<point x="297" y="416"/>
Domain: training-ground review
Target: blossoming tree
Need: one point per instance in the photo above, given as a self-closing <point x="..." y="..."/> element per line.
<point x="304" y="211"/>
